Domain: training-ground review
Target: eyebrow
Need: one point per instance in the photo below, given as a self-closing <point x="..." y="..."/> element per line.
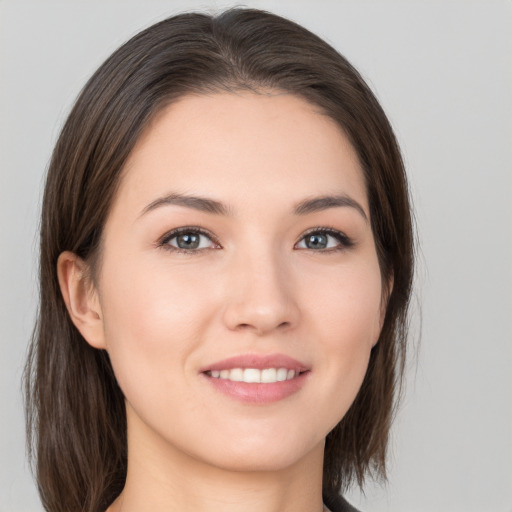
<point x="203" y="204"/>
<point x="317" y="204"/>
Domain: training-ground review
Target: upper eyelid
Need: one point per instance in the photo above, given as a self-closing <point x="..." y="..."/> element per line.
<point x="322" y="229"/>
<point x="325" y="229"/>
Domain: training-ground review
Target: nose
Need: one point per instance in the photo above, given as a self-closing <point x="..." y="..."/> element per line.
<point x="260" y="296"/>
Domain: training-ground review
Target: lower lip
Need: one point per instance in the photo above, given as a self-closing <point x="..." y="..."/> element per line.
<point x="255" y="393"/>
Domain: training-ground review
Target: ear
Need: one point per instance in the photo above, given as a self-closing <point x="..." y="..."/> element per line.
<point x="386" y="293"/>
<point x="81" y="298"/>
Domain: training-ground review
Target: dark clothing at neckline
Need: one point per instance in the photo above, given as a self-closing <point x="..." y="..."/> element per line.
<point x="337" y="503"/>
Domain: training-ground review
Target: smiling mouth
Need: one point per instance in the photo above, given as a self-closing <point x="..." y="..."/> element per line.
<point x="255" y="375"/>
<point x="257" y="379"/>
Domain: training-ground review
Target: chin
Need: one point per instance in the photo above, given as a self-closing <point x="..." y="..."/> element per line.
<point x="260" y="454"/>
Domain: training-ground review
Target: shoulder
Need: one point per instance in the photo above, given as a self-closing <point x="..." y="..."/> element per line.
<point x="337" y="503"/>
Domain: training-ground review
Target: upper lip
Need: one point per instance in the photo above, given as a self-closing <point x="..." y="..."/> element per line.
<point x="259" y="362"/>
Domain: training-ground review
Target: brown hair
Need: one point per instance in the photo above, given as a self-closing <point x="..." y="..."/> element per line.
<point x="75" y="410"/>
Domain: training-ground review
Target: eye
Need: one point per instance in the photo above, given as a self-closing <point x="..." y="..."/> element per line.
<point x="188" y="239"/>
<point x="325" y="239"/>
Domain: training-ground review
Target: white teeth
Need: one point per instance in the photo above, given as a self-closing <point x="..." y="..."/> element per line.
<point x="236" y="374"/>
<point x="253" y="375"/>
<point x="282" y="373"/>
<point x="269" y="375"/>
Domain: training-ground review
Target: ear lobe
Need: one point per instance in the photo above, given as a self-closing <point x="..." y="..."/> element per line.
<point x="81" y="298"/>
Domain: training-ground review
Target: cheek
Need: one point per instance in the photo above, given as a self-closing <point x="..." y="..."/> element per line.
<point x="153" y="319"/>
<point x="148" y="302"/>
<point x="348" y="307"/>
<point x="346" y="316"/>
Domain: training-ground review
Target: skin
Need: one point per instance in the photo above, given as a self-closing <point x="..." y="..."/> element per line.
<point x="257" y="288"/>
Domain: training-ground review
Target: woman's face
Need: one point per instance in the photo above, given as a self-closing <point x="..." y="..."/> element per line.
<point x="239" y="249"/>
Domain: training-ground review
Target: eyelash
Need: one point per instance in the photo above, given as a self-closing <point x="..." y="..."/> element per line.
<point x="345" y="242"/>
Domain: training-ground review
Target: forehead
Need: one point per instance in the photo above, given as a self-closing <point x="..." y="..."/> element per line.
<point x="242" y="148"/>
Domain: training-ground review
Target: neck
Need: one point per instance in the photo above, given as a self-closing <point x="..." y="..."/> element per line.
<point x="161" y="478"/>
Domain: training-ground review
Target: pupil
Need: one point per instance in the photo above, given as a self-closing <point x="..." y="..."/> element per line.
<point x="316" y="241"/>
<point x="188" y="241"/>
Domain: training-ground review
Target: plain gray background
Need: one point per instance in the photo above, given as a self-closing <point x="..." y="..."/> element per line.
<point x="443" y="72"/>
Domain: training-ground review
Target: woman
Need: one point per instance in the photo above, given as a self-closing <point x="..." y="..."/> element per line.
<point x="226" y="263"/>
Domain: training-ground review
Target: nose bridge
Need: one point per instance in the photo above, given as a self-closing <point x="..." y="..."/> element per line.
<point x="261" y="295"/>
